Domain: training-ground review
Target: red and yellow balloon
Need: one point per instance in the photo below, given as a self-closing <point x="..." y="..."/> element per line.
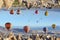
<point x="26" y="29"/>
<point x="11" y="11"/>
<point x="8" y="25"/>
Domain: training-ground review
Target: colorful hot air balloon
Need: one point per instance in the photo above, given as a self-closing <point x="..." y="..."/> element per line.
<point x="11" y="11"/>
<point x="1" y="3"/>
<point x="45" y="29"/>
<point x="46" y="13"/>
<point x="18" y="11"/>
<point x="36" y="12"/>
<point x="53" y="26"/>
<point x="26" y="29"/>
<point x="8" y="26"/>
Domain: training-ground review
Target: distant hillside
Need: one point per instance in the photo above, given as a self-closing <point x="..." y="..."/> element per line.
<point x="17" y="30"/>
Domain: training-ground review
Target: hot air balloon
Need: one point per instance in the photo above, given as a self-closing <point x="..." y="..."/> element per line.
<point x="1" y="3"/>
<point x="46" y="13"/>
<point x="53" y="26"/>
<point x="26" y="29"/>
<point x="36" y="12"/>
<point x="45" y="29"/>
<point x="18" y="11"/>
<point x="8" y="25"/>
<point x="11" y="11"/>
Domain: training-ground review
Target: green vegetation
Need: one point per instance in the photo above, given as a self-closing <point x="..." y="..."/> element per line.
<point x="15" y="3"/>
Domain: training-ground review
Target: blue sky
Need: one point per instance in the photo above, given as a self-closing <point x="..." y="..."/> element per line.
<point x="28" y="17"/>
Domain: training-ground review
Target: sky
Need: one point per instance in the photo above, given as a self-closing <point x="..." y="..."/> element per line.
<point x="29" y="18"/>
